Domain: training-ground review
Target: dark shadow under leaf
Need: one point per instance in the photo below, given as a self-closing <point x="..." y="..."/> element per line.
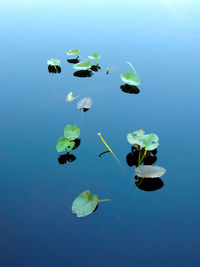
<point x="54" y="69"/>
<point x="62" y="159"/>
<point x="95" y="68"/>
<point x="149" y="184"/>
<point x="73" y="61"/>
<point x="130" y="89"/>
<point x="83" y="73"/>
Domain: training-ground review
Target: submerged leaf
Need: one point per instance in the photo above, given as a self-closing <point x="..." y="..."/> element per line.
<point x="149" y="171"/>
<point x="70" y="97"/>
<point x="53" y="62"/>
<point x="83" y="65"/>
<point x="84" y="204"/>
<point x="130" y="78"/>
<point x="73" y="52"/>
<point x="71" y="132"/>
<point x="84" y="103"/>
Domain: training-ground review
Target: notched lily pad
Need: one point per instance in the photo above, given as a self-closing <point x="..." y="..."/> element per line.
<point x="84" y="204"/>
<point x="149" y="171"/>
<point x="83" y="65"/>
<point x="130" y="78"/>
<point x="72" y="52"/>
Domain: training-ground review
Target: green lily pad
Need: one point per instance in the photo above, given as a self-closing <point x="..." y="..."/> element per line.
<point x="63" y="144"/>
<point x="53" y="62"/>
<point x="94" y="56"/>
<point x="84" y="204"/>
<point x="73" y="52"/>
<point x="135" y="137"/>
<point x="70" y="97"/>
<point x="83" y="65"/>
<point x="130" y="78"/>
<point x="71" y="132"/>
<point x="149" y="141"/>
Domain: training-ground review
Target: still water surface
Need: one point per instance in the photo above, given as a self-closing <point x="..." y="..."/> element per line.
<point x="138" y="228"/>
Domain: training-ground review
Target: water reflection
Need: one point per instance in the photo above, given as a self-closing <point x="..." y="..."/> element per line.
<point x="149" y="184"/>
<point x="54" y="69"/>
<point x="83" y="73"/>
<point x="133" y="157"/>
<point x="101" y="154"/>
<point x="67" y="157"/>
<point x="130" y="89"/>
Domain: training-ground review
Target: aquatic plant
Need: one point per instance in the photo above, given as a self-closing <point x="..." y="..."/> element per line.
<point x="68" y="141"/>
<point x="107" y="71"/>
<point x="83" y="65"/>
<point x="72" y="52"/>
<point x="99" y="134"/>
<point x="85" y="103"/>
<point x="149" y="171"/>
<point x="143" y="142"/>
<point x="94" y="56"/>
<point x="85" y="203"/>
<point x="70" y="97"/>
<point x="129" y="77"/>
<point x="54" y="62"/>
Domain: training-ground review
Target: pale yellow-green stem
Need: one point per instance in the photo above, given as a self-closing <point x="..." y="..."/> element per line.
<point x="131" y="66"/>
<point x="109" y="149"/>
<point x="104" y="200"/>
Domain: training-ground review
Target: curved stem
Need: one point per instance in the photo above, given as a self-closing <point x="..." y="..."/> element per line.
<point x="109" y="149"/>
<point x="139" y="162"/>
<point x="56" y="68"/>
<point x="131" y="66"/>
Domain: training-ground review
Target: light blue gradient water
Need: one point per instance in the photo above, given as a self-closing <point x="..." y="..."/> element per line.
<point x="138" y="228"/>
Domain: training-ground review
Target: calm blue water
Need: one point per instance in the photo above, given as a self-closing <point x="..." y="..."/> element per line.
<point x="138" y="228"/>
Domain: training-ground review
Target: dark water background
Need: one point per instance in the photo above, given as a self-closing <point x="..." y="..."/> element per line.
<point x="138" y="228"/>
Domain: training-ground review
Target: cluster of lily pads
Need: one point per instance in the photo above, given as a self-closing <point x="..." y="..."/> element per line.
<point x="144" y="144"/>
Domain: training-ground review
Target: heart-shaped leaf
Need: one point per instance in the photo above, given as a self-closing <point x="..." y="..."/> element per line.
<point x="83" y="65"/>
<point x="84" y="204"/>
<point x="149" y="141"/>
<point x="149" y="171"/>
<point x="130" y="78"/>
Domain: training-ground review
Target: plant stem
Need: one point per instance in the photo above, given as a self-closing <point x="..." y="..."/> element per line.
<point x="140" y="161"/>
<point x="104" y="200"/>
<point x="109" y="149"/>
<point x="131" y="66"/>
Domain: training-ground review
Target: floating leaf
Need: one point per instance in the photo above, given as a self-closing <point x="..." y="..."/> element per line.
<point x="149" y="171"/>
<point x="135" y="137"/>
<point x="73" y="52"/>
<point x="71" y="132"/>
<point x="53" y="62"/>
<point x="63" y="144"/>
<point x="85" y="103"/>
<point x="84" y="204"/>
<point x="130" y="78"/>
<point x="94" y="56"/>
<point x="70" y="97"/>
<point x="83" y="65"/>
<point x="149" y="141"/>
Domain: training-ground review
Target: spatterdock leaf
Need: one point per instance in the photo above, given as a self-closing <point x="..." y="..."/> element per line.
<point x="73" y="52"/>
<point x="94" y="56"/>
<point x="83" y="65"/>
<point x="70" y="145"/>
<point x="84" y="204"/>
<point x="70" y="97"/>
<point x="149" y="141"/>
<point x="61" y="144"/>
<point x="71" y="132"/>
<point x="149" y="171"/>
<point x="80" y="201"/>
<point x="130" y="78"/>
